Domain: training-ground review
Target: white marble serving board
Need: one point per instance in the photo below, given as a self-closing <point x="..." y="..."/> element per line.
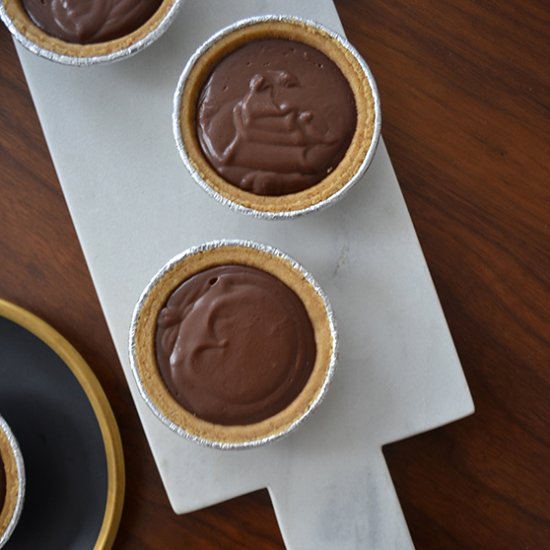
<point x="134" y="206"/>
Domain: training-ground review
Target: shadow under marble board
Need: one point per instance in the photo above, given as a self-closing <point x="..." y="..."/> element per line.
<point x="134" y="207"/>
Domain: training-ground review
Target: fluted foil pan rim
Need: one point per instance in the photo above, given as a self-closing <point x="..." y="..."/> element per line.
<point x="21" y="482"/>
<point x="287" y="214"/>
<point x="83" y="61"/>
<point x="173" y="263"/>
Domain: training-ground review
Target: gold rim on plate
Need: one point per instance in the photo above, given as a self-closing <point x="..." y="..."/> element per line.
<point x="100" y="405"/>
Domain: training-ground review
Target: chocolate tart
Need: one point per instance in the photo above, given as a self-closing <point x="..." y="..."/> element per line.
<point x="12" y="478"/>
<point x="220" y="47"/>
<point x="45" y="45"/>
<point x="143" y="353"/>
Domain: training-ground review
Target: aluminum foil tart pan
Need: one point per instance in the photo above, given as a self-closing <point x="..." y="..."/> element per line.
<point x="14" y="475"/>
<point x="301" y="122"/>
<point x="143" y="344"/>
<point x="26" y="32"/>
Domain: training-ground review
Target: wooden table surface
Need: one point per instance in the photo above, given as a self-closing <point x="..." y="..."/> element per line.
<point x="465" y="94"/>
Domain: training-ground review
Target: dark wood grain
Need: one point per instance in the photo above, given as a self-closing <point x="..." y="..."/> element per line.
<point x="465" y="92"/>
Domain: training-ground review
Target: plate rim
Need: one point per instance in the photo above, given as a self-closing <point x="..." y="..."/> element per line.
<point x="116" y="477"/>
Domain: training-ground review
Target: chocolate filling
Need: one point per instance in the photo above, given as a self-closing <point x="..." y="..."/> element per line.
<point x="234" y="345"/>
<point x="90" y="21"/>
<point x="275" y="117"/>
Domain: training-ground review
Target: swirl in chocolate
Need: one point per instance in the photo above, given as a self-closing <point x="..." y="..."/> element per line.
<point x="275" y="117"/>
<point x="234" y="345"/>
<point x="90" y="21"/>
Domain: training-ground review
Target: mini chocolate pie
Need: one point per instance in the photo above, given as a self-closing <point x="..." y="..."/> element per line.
<point x="276" y="116"/>
<point x="90" y="22"/>
<point x="232" y="344"/>
<point x="86" y="31"/>
<point x="11" y="483"/>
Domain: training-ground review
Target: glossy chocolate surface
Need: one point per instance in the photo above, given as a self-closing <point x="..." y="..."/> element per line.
<point x="234" y="345"/>
<point x="275" y="117"/>
<point x="90" y="21"/>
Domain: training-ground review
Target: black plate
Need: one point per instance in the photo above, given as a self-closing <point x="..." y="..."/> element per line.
<point x="65" y="456"/>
